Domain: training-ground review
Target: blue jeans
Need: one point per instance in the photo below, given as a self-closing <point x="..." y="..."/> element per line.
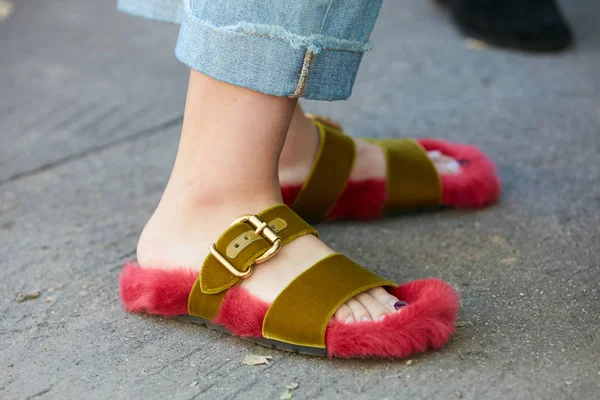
<point x="293" y="48"/>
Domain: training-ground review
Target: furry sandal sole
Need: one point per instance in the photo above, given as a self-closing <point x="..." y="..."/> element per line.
<point x="274" y="344"/>
<point x="427" y="323"/>
<point x="476" y="186"/>
<point x="300" y="317"/>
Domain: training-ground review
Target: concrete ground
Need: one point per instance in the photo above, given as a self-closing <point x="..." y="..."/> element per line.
<point x="90" y="111"/>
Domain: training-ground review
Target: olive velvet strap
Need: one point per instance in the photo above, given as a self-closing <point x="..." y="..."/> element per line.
<point x="412" y="179"/>
<point x="329" y="174"/>
<point x="302" y="311"/>
<point x="236" y="251"/>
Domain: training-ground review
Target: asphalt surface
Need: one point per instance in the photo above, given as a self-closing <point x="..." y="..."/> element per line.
<point x="90" y="110"/>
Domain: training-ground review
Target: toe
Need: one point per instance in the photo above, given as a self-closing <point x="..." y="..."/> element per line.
<point x="434" y="154"/>
<point x="344" y="314"/>
<point x="376" y="310"/>
<point x="359" y="312"/>
<point x="447" y="165"/>
<point x="385" y="299"/>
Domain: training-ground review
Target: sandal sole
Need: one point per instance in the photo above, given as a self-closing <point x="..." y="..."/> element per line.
<point x="310" y="351"/>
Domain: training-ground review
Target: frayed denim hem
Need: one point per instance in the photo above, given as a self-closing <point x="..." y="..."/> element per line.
<point x="271" y="60"/>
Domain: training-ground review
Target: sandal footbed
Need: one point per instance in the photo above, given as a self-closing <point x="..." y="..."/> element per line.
<point x="427" y="323"/>
<point x="477" y="185"/>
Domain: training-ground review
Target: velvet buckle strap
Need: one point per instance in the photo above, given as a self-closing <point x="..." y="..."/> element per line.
<point x="249" y="240"/>
<point x="262" y="229"/>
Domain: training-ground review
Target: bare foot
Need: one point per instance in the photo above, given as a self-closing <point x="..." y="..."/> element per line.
<point x="226" y="166"/>
<point x="171" y="242"/>
<point x="302" y="144"/>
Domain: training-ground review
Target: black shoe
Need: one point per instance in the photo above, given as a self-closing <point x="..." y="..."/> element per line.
<point x="523" y="24"/>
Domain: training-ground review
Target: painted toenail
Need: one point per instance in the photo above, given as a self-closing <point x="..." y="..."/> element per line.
<point x="434" y="154"/>
<point x="365" y="318"/>
<point x="349" y="320"/>
<point x="383" y="317"/>
<point x="399" y="304"/>
<point x="452" y="166"/>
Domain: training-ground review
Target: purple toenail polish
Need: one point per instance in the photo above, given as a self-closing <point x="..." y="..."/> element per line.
<point x="399" y="304"/>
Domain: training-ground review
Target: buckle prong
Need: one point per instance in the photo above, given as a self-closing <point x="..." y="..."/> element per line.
<point x="262" y="229"/>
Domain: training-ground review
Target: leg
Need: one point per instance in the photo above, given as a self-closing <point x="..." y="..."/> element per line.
<point x="227" y="166"/>
<point x="242" y="56"/>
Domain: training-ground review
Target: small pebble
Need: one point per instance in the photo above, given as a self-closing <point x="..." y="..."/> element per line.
<point x="409" y="363"/>
<point x="475" y="44"/>
<point x="193" y="384"/>
<point x="21" y="297"/>
<point x="6" y="9"/>
<point x="287" y="395"/>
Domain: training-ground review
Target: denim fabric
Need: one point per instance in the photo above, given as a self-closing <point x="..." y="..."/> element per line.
<point x="302" y="48"/>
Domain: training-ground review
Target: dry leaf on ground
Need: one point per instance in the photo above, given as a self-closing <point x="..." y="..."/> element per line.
<point x="253" y="359"/>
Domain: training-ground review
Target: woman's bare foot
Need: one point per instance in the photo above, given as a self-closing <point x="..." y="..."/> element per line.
<point x="226" y="166"/>
<point x="301" y="147"/>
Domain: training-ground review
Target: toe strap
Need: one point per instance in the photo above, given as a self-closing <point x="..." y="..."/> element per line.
<point x="302" y="311"/>
<point x="412" y="179"/>
<point x="329" y="174"/>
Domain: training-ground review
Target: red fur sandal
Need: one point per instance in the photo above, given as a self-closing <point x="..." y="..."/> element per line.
<point x="299" y="319"/>
<point x="412" y="180"/>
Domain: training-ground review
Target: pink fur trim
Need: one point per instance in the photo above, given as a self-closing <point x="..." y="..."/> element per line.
<point x="476" y="186"/>
<point x="156" y="291"/>
<point x="426" y="323"/>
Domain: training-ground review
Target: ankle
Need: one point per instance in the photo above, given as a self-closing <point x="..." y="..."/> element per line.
<point x="187" y="220"/>
<point x="300" y="149"/>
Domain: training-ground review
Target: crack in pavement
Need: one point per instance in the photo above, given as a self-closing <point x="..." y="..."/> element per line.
<point x="40" y="393"/>
<point x="78" y="156"/>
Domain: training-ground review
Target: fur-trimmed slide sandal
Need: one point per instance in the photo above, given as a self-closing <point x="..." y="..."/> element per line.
<point x="412" y="179"/>
<point x="299" y="319"/>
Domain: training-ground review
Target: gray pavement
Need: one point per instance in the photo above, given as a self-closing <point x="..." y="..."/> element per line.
<point x="90" y="110"/>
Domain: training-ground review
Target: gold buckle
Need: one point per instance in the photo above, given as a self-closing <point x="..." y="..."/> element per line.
<point x="262" y="229"/>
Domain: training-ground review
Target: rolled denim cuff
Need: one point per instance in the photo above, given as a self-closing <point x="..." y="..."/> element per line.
<point x="309" y="49"/>
<point x="270" y="60"/>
